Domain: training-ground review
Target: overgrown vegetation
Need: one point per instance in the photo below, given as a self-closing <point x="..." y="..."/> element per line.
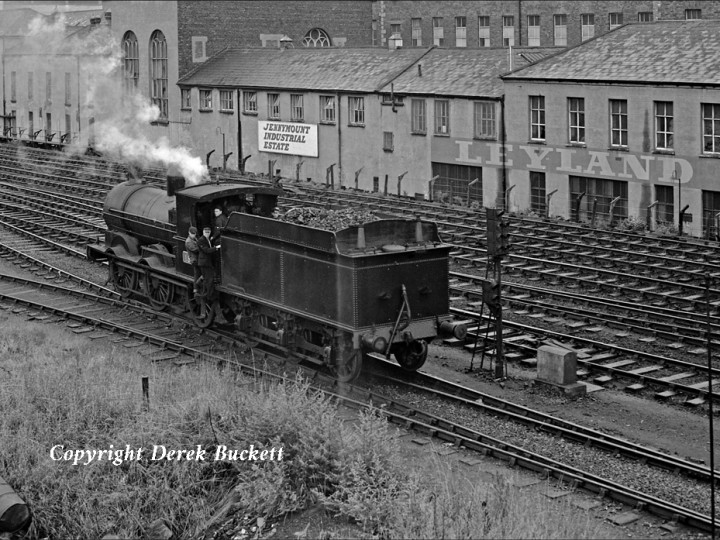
<point x="57" y="389"/>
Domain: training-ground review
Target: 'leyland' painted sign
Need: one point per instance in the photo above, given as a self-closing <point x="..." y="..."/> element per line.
<point x="288" y="138"/>
<point x="581" y="161"/>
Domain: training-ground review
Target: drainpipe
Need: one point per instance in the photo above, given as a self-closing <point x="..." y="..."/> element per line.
<point x="239" y="133"/>
<point x="339" y="131"/>
<point x="77" y="113"/>
<point x="503" y="143"/>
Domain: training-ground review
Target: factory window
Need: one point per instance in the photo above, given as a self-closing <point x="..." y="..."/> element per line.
<point x="388" y="141"/>
<point x="485" y="120"/>
<point x="159" y="73"/>
<point x="602" y="190"/>
<point x="508" y="31"/>
<point x="645" y="16"/>
<point x="48" y="86"/>
<point x="484" y="31"/>
<point x="460" y="32"/>
<point x="664" y="125"/>
<point x="316" y="38"/>
<point x="185" y="102"/>
<point x="442" y="117"/>
<point x="356" y="106"/>
<point x="587" y="21"/>
<point x="13" y="86"/>
<point x="533" y="30"/>
<point x="438" y="32"/>
<point x="297" y="111"/>
<point x="664" y="195"/>
<point x="419" y="116"/>
<point x="560" y="30"/>
<point x="537" y="118"/>
<point x="615" y="20"/>
<point x="273" y="106"/>
<point x="576" y="120"/>
<point x="327" y="109"/>
<point x="711" y="128"/>
<point x="416" y="27"/>
<point x="226" y="101"/>
<point x="691" y="14"/>
<point x="31" y="83"/>
<point x="68" y="88"/>
<point x="206" y="100"/>
<point x="538" y="202"/>
<point x="618" y="123"/>
<point x="455" y="184"/>
<point x="250" y="102"/>
<point x="131" y="61"/>
<point x="710" y="209"/>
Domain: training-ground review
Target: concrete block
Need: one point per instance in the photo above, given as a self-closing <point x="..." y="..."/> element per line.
<point x="556" y="365"/>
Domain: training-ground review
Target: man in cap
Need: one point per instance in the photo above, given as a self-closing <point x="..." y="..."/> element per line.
<point x="191" y="245"/>
<point x="220" y="222"/>
<point x="205" y="262"/>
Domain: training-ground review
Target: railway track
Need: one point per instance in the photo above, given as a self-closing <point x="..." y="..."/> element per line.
<point x="81" y="310"/>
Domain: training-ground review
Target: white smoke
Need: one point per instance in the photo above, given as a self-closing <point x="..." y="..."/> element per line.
<point x="120" y="114"/>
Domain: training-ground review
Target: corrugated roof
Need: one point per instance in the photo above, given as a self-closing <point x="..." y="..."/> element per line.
<point x="661" y="52"/>
<point x="341" y="69"/>
<point x="463" y="72"/>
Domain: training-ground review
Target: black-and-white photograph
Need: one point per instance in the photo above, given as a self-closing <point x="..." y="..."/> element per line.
<point x="370" y="269"/>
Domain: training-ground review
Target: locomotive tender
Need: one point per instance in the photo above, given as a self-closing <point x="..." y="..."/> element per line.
<point x="329" y="297"/>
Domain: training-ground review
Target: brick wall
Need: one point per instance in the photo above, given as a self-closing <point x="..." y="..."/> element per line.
<point x="675" y="9"/>
<point x="240" y="24"/>
<point x="401" y="12"/>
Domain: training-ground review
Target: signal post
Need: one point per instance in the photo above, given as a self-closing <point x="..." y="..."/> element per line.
<point x="498" y="246"/>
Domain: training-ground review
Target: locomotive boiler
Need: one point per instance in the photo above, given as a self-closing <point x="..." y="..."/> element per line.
<point x="329" y="297"/>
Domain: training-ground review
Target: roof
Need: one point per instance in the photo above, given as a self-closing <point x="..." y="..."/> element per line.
<point x="464" y="72"/>
<point x="461" y="72"/>
<point x="14" y="22"/>
<point x="211" y="191"/>
<point x="671" y="52"/>
<point x="329" y="69"/>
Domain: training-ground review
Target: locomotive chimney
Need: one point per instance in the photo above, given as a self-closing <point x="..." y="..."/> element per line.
<point x="175" y="180"/>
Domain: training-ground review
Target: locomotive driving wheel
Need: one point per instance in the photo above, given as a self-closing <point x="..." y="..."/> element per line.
<point x="160" y="293"/>
<point x="124" y="279"/>
<point x="411" y="356"/>
<point x="346" y="363"/>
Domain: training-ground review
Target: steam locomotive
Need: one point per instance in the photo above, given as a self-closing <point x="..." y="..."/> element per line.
<point x="328" y="297"/>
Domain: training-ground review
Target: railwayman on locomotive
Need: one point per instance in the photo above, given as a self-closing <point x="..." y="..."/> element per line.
<point x="205" y="262"/>
<point x="220" y="223"/>
<point x="191" y="245"/>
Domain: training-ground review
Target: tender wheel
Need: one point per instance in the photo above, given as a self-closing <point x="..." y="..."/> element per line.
<point x="347" y="365"/>
<point x="124" y="279"/>
<point x="411" y="356"/>
<point x="160" y="292"/>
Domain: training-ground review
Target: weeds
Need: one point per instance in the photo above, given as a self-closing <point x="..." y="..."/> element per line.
<point x="58" y="390"/>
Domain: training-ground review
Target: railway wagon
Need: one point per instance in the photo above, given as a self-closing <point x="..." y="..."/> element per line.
<point x="329" y="297"/>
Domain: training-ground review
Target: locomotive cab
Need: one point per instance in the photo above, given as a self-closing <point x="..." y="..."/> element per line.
<point x="195" y="205"/>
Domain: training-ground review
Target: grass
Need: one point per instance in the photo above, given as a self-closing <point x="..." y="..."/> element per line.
<point x="59" y="389"/>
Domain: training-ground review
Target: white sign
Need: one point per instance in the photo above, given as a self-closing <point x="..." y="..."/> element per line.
<point x="288" y="138"/>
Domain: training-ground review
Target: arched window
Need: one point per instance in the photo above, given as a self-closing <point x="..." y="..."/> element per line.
<point x="316" y="38"/>
<point x="159" y="73"/>
<point x="131" y="61"/>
